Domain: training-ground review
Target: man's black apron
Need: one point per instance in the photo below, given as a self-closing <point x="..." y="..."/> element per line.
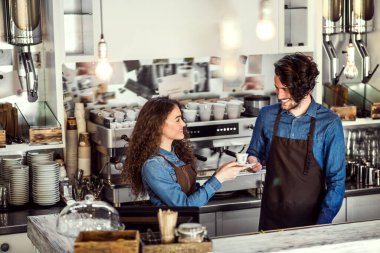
<point x="294" y="183"/>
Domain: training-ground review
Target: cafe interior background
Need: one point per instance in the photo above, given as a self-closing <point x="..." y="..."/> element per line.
<point x="99" y="62"/>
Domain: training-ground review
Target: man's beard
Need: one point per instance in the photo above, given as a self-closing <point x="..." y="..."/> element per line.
<point x="290" y="105"/>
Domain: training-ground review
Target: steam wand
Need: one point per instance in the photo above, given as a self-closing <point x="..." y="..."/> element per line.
<point x="367" y="78"/>
<point x="337" y="77"/>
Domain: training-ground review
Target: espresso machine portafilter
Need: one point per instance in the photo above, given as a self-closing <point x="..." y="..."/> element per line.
<point x="23" y="29"/>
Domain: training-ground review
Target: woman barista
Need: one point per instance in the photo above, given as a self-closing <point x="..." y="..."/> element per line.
<point x="160" y="161"/>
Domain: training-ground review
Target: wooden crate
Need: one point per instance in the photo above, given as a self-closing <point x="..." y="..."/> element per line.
<point x="345" y="113"/>
<point x="375" y="111"/>
<point x="126" y="241"/>
<point x="2" y="138"/>
<point x="196" y="247"/>
<point x="51" y="135"/>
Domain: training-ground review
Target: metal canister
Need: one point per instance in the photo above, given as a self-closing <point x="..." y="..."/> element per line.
<point x="369" y="176"/>
<point x="350" y="170"/>
<point x="376" y="177"/>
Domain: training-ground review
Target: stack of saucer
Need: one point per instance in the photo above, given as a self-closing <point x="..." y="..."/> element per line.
<point x="7" y="162"/>
<point x="19" y="185"/>
<point x="39" y="156"/>
<point x="45" y="183"/>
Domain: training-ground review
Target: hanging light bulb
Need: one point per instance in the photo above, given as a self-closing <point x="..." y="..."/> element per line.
<point x="350" y="71"/>
<point x="265" y="29"/>
<point x="103" y="68"/>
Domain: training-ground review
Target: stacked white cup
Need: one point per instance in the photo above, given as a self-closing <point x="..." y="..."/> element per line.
<point x="234" y="109"/>
<point x="218" y="110"/>
<point x="205" y="111"/>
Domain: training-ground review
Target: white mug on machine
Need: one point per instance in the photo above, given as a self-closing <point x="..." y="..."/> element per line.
<point x="192" y="105"/>
<point x="189" y="115"/>
<point x="234" y="109"/>
<point x="205" y="111"/>
<point x="218" y="110"/>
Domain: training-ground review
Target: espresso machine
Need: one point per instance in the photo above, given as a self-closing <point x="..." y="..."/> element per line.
<point x="214" y="142"/>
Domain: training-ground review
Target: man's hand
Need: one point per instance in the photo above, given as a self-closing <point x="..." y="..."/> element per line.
<point x="256" y="166"/>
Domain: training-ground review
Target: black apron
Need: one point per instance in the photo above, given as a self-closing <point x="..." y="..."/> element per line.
<point x="186" y="176"/>
<point x="294" y="185"/>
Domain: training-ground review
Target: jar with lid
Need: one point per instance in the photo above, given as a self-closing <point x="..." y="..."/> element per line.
<point x="191" y="232"/>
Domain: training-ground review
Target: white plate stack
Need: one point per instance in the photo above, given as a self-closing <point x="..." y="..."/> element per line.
<point x="45" y="183"/>
<point x="39" y="156"/>
<point x="7" y="162"/>
<point x="19" y="185"/>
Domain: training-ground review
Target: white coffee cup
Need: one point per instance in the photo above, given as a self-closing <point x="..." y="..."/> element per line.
<point x="189" y="115"/>
<point x="119" y="116"/>
<point x="192" y="105"/>
<point x="234" y="109"/>
<point x="131" y="114"/>
<point x="205" y="111"/>
<point x="241" y="158"/>
<point x="218" y="110"/>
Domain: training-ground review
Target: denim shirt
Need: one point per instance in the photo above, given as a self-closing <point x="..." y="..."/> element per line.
<point x="328" y="147"/>
<point x="160" y="180"/>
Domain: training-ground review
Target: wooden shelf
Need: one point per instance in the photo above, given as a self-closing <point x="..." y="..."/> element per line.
<point x="362" y="122"/>
<point x="22" y="148"/>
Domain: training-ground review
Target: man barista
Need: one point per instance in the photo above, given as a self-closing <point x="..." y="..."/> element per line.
<point x="303" y="147"/>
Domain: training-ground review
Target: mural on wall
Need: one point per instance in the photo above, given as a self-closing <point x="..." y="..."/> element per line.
<point x="165" y="78"/>
<point x="146" y="78"/>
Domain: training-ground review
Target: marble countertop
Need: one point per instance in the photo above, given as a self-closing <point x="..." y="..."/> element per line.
<point x="338" y="238"/>
<point x="14" y="219"/>
<point x="345" y="237"/>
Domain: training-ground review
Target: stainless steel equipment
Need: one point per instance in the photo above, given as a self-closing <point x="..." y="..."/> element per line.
<point x="214" y="142"/>
<point x="360" y="19"/>
<point x="22" y="29"/>
<point x="332" y="24"/>
<point x="254" y="103"/>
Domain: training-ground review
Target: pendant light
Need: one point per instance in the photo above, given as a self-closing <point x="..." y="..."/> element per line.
<point x="103" y="68"/>
<point x="265" y="29"/>
<point x="350" y="71"/>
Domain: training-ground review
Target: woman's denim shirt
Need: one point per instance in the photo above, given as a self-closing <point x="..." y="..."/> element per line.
<point x="160" y="181"/>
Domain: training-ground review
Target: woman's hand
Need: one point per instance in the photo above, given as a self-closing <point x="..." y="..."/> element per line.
<point x="228" y="171"/>
<point x="256" y="166"/>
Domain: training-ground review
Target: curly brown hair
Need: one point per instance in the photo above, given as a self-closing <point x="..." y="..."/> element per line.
<point x="146" y="138"/>
<point x="297" y="72"/>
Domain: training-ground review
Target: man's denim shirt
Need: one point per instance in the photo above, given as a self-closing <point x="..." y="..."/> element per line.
<point x="328" y="147"/>
<point x="160" y="181"/>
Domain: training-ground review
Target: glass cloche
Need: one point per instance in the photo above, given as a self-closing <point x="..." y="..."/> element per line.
<point x="87" y="215"/>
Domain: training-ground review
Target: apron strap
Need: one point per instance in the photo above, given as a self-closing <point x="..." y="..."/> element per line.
<point x="171" y="164"/>
<point x="310" y="137"/>
<point x="275" y="128"/>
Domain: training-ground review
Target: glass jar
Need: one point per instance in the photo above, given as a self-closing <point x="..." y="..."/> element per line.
<point x="191" y="232"/>
<point x="87" y="215"/>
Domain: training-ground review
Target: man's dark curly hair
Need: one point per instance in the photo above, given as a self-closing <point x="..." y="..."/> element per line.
<point x="298" y="73"/>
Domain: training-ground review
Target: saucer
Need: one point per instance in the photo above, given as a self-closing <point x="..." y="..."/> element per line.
<point x="247" y="165"/>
